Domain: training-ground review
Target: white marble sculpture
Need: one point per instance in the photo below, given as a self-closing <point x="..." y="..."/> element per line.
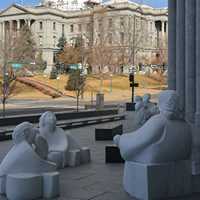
<point x="24" y="165"/>
<point x="164" y="139"/>
<point x="144" y="109"/>
<point x="63" y="148"/>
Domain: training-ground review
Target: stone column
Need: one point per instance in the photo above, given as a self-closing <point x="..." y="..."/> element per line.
<point x="180" y="48"/>
<point x="29" y="22"/>
<point x="197" y="115"/>
<point x="172" y="45"/>
<point x="163" y="27"/>
<point x="3" y="29"/>
<point x="190" y="59"/>
<point x="10" y="24"/>
<point x="18" y="24"/>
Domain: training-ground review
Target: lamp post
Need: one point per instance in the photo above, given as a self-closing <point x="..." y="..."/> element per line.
<point x="143" y="79"/>
<point x="44" y="81"/>
<point x="57" y="85"/>
<point x="111" y="84"/>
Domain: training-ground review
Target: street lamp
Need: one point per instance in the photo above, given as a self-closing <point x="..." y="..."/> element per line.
<point x="111" y="84"/>
<point x="57" y="85"/>
<point x="44" y="81"/>
<point x="143" y="79"/>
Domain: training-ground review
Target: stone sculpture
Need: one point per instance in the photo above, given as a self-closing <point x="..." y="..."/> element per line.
<point x="63" y="148"/>
<point x="144" y="109"/>
<point x="23" y="168"/>
<point x="157" y="154"/>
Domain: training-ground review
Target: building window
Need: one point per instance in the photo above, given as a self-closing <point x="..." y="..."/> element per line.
<point x="40" y="40"/>
<point x="136" y="23"/>
<point x="63" y="29"/>
<point x="122" y="37"/>
<point x="79" y="28"/>
<point x="99" y="24"/>
<point x="72" y="28"/>
<point x="40" y="25"/>
<point x="151" y="27"/>
<point x="110" y="38"/>
<point x="151" y="40"/>
<point x="54" y="41"/>
<point x="87" y="26"/>
<point x="54" y="57"/>
<point x="110" y="22"/>
<point x="54" y="26"/>
<point x="121" y="21"/>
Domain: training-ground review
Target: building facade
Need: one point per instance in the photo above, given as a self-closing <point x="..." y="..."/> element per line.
<point x="48" y="24"/>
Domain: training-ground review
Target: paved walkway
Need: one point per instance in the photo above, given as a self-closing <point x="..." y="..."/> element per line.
<point x="96" y="180"/>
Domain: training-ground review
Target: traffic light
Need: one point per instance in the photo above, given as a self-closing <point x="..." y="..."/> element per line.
<point x="63" y="64"/>
<point x="140" y="66"/>
<point x="131" y="77"/>
<point x="44" y="65"/>
<point x="164" y="66"/>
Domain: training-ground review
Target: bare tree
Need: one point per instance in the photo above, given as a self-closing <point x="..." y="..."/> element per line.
<point x="20" y="47"/>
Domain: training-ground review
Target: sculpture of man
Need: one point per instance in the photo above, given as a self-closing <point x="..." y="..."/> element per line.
<point x="22" y="158"/>
<point x="153" y="109"/>
<point x="59" y="142"/>
<point x="165" y="137"/>
<point x="142" y="113"/>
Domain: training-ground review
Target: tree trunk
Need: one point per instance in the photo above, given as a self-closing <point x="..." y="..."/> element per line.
<point x="101" y="84"/>
<point x="4" y="108"/>
<point x="77" y="104"/>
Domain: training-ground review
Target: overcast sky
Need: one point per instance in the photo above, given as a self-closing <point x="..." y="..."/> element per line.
<point x="153" y="3"/>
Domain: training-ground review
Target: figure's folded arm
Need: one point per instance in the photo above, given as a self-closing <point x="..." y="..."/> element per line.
<point x="131" y="144"/>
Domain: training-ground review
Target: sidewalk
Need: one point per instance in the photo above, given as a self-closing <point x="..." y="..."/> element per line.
<point x="96" y="180"/>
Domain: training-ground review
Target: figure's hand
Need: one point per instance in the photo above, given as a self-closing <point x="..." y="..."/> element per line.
<point x="116" y="140"/>
<point x="41" y="146"/>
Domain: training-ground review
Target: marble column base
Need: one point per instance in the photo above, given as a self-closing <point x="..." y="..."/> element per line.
<point x="190" y="115"/>
<point x="157" y="181"/>
<point x="197" y="119"/>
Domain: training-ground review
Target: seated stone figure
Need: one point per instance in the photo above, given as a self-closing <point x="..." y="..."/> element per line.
<point x="142" y="114"/>
<point x="153" y="109"/>
<point x="165" y="137"/>
<point x="22" y="158"/>
<point x="60" y="142"/>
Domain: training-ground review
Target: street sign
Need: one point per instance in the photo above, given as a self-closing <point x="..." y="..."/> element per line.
<point x="73" y="67"/>
<point x="132" y="70"/>
<point x="6" y="74"/>
<point x="134" y="84"/>
<point x="16" y="65"/>
<point x="153" y="65"/>
<point x="32" y="63"/>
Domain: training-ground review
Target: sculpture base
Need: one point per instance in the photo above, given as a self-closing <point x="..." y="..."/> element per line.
<point x="113" y="154"/>
<point x="157" y="181"/>
<point x="107" y="132"/>
<point x="129" y="106"/>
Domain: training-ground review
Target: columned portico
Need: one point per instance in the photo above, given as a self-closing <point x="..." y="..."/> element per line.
<point x="197" y="115"/>
<point x="183" y="54"/>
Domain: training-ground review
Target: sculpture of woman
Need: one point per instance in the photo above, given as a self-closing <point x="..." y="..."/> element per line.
<point x="59" y="141"/>
<point x="165" y="137"/>
<point x="22" y="157"/>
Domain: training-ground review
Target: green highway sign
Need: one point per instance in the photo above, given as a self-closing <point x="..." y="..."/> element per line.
<point x="16" y="65"/>
<point x="73" y="67"/>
